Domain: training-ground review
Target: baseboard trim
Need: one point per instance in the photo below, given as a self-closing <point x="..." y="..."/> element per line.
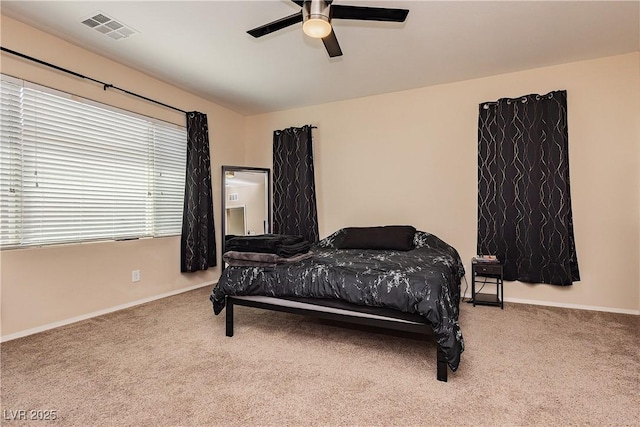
<point x="566" y="305"/>
<point x="65" y="322"/>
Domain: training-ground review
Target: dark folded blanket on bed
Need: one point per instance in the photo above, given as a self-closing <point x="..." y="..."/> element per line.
<point x="283" y="245"/>
<point x="256" y="259"/>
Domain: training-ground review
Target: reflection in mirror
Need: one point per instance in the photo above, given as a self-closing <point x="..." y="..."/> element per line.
<point x="246" y="201"/>
<point x="236" y="221"/>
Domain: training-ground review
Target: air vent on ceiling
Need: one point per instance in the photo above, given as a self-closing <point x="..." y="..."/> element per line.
<point x="108" y="26"/>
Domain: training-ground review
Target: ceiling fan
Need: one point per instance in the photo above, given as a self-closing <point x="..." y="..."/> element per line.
<point x="316" y="16"/>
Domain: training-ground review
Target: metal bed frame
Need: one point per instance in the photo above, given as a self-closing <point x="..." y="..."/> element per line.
<point x="347" y="313"/>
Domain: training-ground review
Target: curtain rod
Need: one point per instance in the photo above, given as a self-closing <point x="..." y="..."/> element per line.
<point x="105" y="86"/>
<point x="523" y="99"/>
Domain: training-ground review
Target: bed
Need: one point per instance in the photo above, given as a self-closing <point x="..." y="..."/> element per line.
<point x="413" y="288"/>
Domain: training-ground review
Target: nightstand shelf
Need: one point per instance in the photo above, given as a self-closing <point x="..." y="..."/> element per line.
<point x="487" y="273"/>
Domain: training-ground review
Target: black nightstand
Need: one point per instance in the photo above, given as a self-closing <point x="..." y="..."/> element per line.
<point x="489" y="273"/>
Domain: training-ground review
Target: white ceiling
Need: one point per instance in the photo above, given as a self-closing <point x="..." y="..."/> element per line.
<point x="203" y="47"/>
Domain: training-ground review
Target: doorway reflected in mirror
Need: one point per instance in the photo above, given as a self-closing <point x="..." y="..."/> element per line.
<point x="236" y="221"/>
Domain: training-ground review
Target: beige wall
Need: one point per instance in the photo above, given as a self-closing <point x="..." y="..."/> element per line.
<point x="411" y="158"/>
<point x="51" y="284"/>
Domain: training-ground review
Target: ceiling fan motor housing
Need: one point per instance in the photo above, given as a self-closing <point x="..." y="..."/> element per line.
<point x="316" y="9"/>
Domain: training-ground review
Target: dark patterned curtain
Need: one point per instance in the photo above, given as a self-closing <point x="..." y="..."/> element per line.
<point x="198" y="244"/>
<point x="524" y="202"/>
<point x="294" y="189"/>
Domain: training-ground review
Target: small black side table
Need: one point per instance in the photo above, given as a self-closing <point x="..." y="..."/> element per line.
<point x="488" y="273"/>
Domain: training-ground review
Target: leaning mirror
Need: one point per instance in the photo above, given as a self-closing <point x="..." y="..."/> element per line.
<point x="246" y="201"/>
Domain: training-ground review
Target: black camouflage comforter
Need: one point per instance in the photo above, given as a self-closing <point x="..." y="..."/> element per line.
<point x="425" y="280"/>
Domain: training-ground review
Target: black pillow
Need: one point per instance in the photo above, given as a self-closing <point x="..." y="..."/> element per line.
<point x="391" y="237"/>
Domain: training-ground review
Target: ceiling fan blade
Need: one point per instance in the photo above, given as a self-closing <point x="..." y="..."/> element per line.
<point x="331" y="44"/>
<point x="362" y="13"/>
<point x="301" y="2"/>
<point x="276" y="25"/>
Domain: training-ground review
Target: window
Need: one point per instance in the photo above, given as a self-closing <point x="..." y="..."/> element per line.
<point x="72" y="170"/>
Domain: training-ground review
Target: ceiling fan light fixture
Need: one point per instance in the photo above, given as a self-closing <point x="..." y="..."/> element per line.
<point x="315" y="19"/>
<point x="317" y="27"/>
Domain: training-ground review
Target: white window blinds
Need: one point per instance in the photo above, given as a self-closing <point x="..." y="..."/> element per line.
<point x="74" y="170"/>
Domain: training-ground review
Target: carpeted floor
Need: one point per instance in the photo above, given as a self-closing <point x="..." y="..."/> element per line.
<point x="168" y="363"/>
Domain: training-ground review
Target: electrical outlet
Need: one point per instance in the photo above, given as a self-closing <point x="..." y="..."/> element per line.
<point x="135" y="276"/>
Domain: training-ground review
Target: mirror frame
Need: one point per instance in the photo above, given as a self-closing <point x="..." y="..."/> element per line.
<point x="223" y="218"/>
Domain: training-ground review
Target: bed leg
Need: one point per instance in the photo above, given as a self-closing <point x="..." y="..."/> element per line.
<point x="229" y="316"/>
<point x="442" y="365"/>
